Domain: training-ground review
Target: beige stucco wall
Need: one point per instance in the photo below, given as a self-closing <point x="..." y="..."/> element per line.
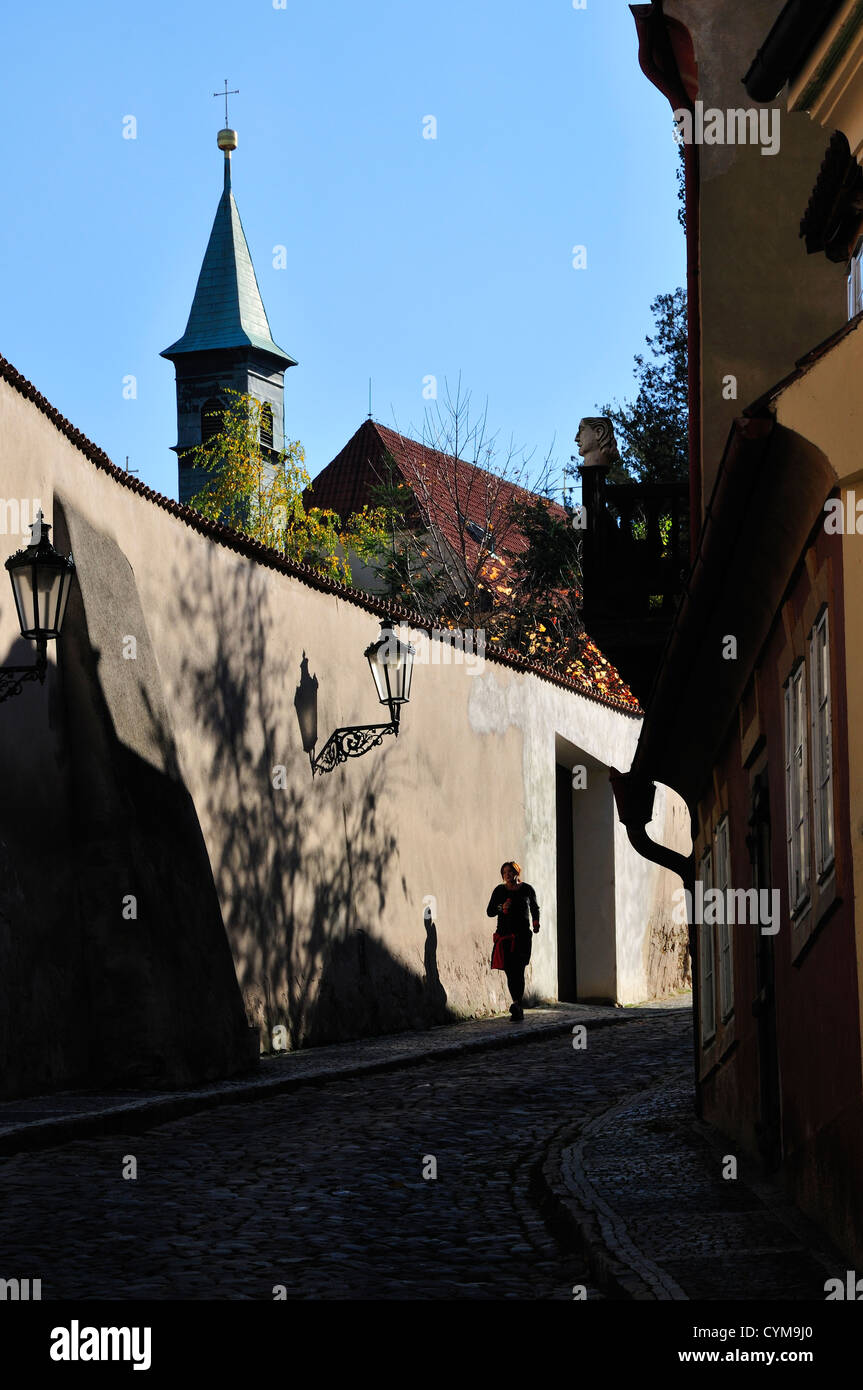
<point x="763" y="301"/>
<point x="619" y="896"/>
<point x="322" y="882"/>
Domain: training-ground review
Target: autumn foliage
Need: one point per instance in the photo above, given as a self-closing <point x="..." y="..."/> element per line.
<point x="259" y="492"/>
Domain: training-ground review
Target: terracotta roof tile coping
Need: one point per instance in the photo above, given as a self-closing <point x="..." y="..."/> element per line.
<point x="273" y="559"/>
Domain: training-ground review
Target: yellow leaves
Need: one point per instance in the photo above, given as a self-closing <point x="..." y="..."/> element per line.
<point x="263" y="497"/>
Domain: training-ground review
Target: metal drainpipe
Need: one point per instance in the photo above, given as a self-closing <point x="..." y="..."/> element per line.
<point x="634" y="796"/>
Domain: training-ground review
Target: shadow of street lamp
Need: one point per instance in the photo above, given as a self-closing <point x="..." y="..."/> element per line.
<point x="41" y="580"/>
<point x="391" y="664"/>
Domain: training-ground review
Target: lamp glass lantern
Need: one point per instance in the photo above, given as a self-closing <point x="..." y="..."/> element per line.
<point x="41" y="580"/>
<point x="391" y="663"/>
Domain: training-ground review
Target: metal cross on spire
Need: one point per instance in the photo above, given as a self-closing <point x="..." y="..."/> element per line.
<point x="234" y="93"/>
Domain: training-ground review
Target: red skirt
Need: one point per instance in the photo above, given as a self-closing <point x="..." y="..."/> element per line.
<point x="503" y="943"/>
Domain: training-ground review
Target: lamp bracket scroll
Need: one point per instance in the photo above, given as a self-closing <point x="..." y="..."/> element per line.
<point x="391" y="663"/>
<point x="350" y="742"/>
<point x="12" y="678"/>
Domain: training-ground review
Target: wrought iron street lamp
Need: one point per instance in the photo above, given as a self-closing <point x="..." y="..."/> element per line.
<point x="391" y="664"/>
<point x="41" y="580"/>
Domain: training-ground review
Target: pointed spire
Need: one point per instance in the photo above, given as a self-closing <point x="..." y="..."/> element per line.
<point x="227" y="310"/>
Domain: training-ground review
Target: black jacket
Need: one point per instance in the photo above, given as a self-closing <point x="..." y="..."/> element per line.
<point x="523" y="912"/>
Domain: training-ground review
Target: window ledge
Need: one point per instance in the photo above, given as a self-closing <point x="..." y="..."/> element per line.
<point x="714" y="1057"/>
<point x="804" y="929"/>
<point x="715" y="1053"/>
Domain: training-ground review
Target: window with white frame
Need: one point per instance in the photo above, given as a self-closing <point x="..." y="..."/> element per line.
<point x="822" y="755"/>
<point x="705" y="959"/>
<point x="796" y="788"/>
<point x="855" y="282"/>
<point x="723" y="882"/>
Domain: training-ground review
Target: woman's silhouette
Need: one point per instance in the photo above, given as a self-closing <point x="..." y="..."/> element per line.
<point x="516" y="908"/>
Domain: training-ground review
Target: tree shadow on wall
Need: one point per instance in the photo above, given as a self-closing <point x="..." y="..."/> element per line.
<point x="302" y="867"/>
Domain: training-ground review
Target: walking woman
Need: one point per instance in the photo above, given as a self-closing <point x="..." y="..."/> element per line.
<point x="515" y="906"/>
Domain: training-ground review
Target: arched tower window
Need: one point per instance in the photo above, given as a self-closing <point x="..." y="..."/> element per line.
<point x="267" y="426"/>
<point x="212" y="415"/>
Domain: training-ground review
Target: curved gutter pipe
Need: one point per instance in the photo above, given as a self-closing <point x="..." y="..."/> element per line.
<point x="634" y="796"/>
<point x="793" y="36"/>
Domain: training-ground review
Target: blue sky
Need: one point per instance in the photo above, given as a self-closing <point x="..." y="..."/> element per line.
<point x="405" y="256"/>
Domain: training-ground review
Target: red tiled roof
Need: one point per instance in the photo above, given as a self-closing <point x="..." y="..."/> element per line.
<point x="443" y="487"/>
<point x="621" y="700"/>
<point x="449" y="493"/>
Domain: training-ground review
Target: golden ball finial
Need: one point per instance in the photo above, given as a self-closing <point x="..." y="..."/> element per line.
<point x="227" y="139"/>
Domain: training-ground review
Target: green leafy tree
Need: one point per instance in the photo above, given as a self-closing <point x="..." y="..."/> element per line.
<point x="652" y="430"/>
<point x="681" y="190"/>
<point x="537" y="611"/>
<point x="260" y="492"/>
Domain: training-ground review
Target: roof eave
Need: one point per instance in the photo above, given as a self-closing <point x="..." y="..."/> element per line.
<point x="273" y="350"/>
<point x="794" y="34"/>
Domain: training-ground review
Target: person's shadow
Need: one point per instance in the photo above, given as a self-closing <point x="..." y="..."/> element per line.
<point x="435" y="992"/>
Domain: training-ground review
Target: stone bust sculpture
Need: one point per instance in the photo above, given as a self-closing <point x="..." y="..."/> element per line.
<point x="596" y="443"/>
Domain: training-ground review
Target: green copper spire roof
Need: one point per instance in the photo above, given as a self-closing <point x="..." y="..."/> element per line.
<point x="227" y="311"/>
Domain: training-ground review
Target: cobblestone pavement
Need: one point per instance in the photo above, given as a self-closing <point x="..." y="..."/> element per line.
<point x="645" y="1184"/>
<point x="43" y="1121"/>
<point x="320" y="1188"/>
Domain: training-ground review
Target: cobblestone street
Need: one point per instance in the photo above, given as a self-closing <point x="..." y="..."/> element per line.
<point x="322" y="1189"/>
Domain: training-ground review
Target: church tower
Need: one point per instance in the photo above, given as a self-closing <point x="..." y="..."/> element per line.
<point x="227" y="342"/>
